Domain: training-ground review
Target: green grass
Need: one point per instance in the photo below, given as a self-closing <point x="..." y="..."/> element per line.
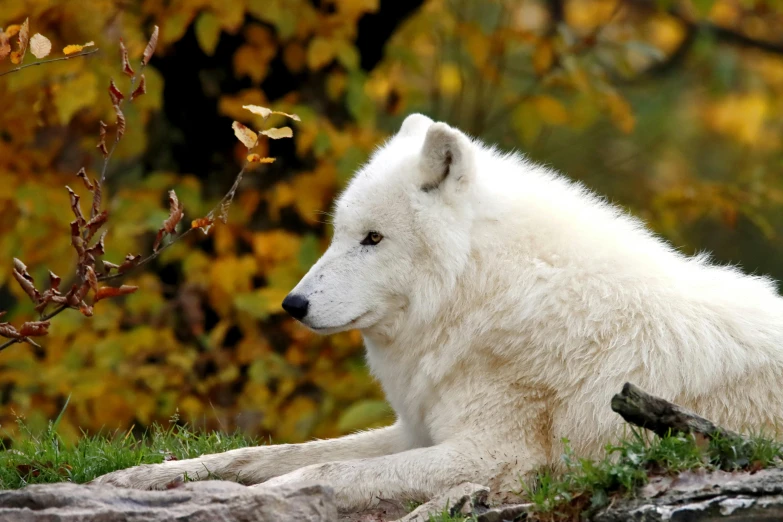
<point x="584" y="487"/>
<point x="45" y="457"/>
<point x="589" y="485"/>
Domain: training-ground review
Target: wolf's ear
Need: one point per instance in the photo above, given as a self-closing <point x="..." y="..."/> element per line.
<point x="414" y="124"/>
<point x="446" y="157"/>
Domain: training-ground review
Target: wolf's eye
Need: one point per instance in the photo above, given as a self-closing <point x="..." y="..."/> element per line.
<point x="372" y="238"/>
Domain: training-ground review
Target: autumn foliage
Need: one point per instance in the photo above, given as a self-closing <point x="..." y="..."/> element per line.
<point x="671" y="108"/>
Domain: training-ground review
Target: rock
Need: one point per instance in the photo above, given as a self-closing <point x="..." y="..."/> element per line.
<point x="459" y="499"/>
<point x="505" y="513"/>
<point x="704" y="497"/>
<point x="467" y="499"/>
<point x="209" y="501"/>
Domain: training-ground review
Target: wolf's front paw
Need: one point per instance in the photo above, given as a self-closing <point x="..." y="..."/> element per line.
<point x="146" y="476"/>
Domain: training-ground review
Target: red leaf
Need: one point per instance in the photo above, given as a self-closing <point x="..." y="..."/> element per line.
<point x="91" y="279"/>
<point x="113" y="291"/>
<point x="120" y="122"/>
<point x="82" y="174"/>
<point x="176" y="211"/>
<point x="77" y="211"/>
<point x="141" y="89"/>
<point x="95" y="223"/>
<point x="130" y="262"/>
<point x="126" y="66"/>
<point x="150" y="49"/>
<point x="26" y="281"/>
<point x="115" y="93"/>
<point x="34" y="329"/>
<point x="102" y="143"/>
<point x="24" y="37"/>
<point x="99" y="247"/>
<point x="8" y="331"/>
<point x="76" y="239"/>
<point x="5" y="46"/>
<point x="96" y="199"/>
<point x="54" y="281"/>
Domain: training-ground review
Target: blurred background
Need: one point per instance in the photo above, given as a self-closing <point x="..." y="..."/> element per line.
<point x="671" y="108"/>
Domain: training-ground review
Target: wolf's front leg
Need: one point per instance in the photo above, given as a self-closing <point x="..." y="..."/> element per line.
<point x="257" y="464"/>
<point x="413" y="475"/>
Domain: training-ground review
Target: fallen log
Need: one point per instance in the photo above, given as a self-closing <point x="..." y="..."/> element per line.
<point x="662" y="417"/>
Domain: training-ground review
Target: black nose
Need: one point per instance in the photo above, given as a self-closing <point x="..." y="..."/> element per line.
<point x="296" y="305"/>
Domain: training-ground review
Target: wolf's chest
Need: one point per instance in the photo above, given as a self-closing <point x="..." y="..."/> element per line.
<point x="419" y="389"/>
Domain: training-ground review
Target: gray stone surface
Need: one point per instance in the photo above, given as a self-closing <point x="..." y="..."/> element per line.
<point x="704" y="497"/>
<point x="459" y="499"/>
<point x="209" y="501"/>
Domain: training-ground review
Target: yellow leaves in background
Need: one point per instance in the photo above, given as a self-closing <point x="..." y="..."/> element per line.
<point x="275" y="247"/>
<point x="742" y="117"/>
<point x="78" y="93"/>
<point x="208" y="32"/>
<point x="220" y="339"/>
<point x="450" y="80"/>
<point x="320" y="52"/>
<point x="620" y="111"/>
<point x="550" y="109"/>
<point x="543" y="56"/>
<point x="252" y="59"/>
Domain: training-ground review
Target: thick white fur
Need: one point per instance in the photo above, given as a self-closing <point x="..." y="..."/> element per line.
<point x="503" y="308"/>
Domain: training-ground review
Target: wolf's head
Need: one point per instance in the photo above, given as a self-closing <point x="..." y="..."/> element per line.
<point x="401" y="233"/>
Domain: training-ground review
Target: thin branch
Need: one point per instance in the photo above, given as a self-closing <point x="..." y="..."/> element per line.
<point x="217" y="208"/>
<point x="46" y="317"/>
<point x="60" y="59"/>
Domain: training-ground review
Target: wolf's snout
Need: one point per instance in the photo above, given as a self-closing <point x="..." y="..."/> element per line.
<point x="296" y="305"/>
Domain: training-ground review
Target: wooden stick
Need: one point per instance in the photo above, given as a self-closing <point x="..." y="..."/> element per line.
<point x="663" y="417"/>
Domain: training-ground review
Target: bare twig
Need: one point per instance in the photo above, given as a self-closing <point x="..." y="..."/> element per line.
<point x="112" y="277"/>
<point x="46" y="317"/>
<point x="663" y="417"/>
<point x="60" y="59"/>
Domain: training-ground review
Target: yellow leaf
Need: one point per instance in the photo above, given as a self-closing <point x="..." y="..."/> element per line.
<point x="543" y="57"/>
<point x="620" y="112"/>
<point x="40" y="46"/>
<point x="253" y="58"/>
<point x="275" y="247"/>
<point x="320" y="53"/>
<point x="550" y="109"/>
<point x="207" y="32"/>
<point x="277" y="133"/>
<point x="256" y="158"/>
<point x="11" y="30"/>
<point x="264" y="112"/>
<point x="245" y="135"/>
<point x="74" y="95"/>
<point x="450" y="81"/>
<point x="73" y="49"/>
<point x="295" y="57"/>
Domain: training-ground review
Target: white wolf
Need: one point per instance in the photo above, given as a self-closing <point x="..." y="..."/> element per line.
<point x="501" y="307"/>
